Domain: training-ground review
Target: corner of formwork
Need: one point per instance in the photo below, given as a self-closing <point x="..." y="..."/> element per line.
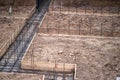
<point x="43" y="78"/>
<point x="31" y="12"/>
<point x="22" y="61"/>
<point x="75" y="72"/>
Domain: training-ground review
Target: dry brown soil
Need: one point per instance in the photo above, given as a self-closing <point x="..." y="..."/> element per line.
<point x="17" y="76"/>
<point x="103" y="3"/>
<point x="11" y="25"/>
<point x="9" y="28"/>
<point x="90" y="6"/>
<point x="97" y="58"/>
<point x="17" y="2"/>
<point x="59" y="23"/>
<point x="18" y="12"/>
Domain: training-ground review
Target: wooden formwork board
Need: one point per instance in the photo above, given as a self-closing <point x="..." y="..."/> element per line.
<point x="48" y="66"/>
<point x="31" y="12"/>
<point x="14" y="35"/>
<point x="20" y="76"/>
<point x="11" y="39"/>
<point x="88" y="12"/>
<point x="4" y="48"/>
<point x="92" y="32"/>
<point x="60" y="31"/>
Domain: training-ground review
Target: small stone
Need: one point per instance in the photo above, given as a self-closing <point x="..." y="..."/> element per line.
<point x="71" y="54"/>
<point x="60" y="52"/>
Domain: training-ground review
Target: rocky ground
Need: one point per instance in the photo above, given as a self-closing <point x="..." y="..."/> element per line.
<point x="97" y="58"/>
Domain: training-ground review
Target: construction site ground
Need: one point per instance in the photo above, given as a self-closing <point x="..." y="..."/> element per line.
<point x="96" y="57"/>
<point x="75" y="24"/>
<point x="12" y="24"/>
<point x="9" y="29"/>
<point x="17" y="12"/>
<point x="87" y="37"/>
<point x="97" y="3"/>
<point x="18" y="76"/>
<point x="91" y="7"/>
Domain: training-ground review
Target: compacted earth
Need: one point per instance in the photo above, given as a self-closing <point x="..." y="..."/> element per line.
<point x="9" y="29"/>
<point x="11" y="24"/>
<point x="97" y="58"/>
<point x="18" y="11"/>
<point x="60" y="23"/>
<point x="18" y="76"/>
<point x="20" y="8"/>
<point x="86" y="6"/>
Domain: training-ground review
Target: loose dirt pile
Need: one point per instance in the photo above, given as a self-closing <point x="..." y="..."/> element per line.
<point x="96" y="58"/>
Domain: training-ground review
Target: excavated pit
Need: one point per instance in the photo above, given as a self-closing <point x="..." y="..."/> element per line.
<point x="91" y="7"/>
<point x="45" y="61"/>
<point x="9" y="29"/>
<point x="89" y="25"/>
<point x="94" y="57"/>
<point x="12" y="24"/>
<point x="18" y="76"/>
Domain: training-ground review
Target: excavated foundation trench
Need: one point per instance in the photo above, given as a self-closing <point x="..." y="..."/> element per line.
<point x="64" y="60"/>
